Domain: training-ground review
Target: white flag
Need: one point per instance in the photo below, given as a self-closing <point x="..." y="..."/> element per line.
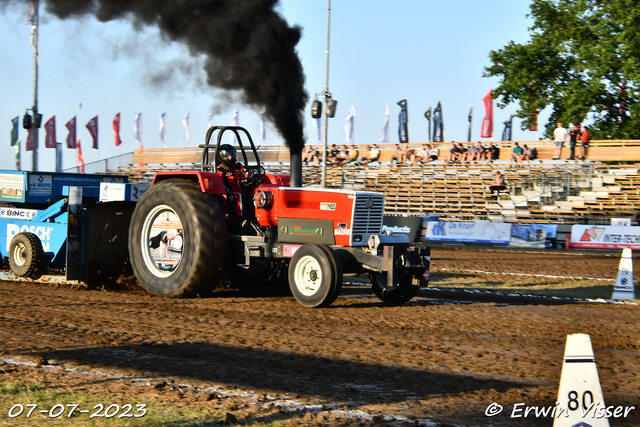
<point x="185" y="122"/>
<point x="348" y="124"/>
<point x="163" y="129"/>
<point x="263" y="126"/>
<point x="235" y="121"/>
<point x="384" y="133"/>
<point x="316" y="123"/>
<point x="137" y="128"/>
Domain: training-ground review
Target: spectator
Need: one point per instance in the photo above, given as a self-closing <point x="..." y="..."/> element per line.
<point x="491" y="152"/>
<point x="480" y="152"/>
<point x="584" y="139"/>
<point x="400" y="154"/>
<point x="434" y="152"/>
<point x="342" y="155"/>
<point x="462" y="152"/>
<point x="309" y="154"/>
<point x="498" y="184"/>
<point x="574" y="134"/>
<point x="454" y="153"/>
<point x="421" y="154"/>
<point x="332" y="153"/>
<point x="470" y="154"/>
<point x="374" y="155"/>
<point x="352" y="156"/>
<point x="517" y="154"/>
<point x="560" y="136"/>
<point x="527" y="154"/>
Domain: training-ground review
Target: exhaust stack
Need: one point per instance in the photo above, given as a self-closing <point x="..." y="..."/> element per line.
<point x="295" y="165"/>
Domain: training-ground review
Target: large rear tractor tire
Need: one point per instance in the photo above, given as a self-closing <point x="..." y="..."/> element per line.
<point x="177" y="240"/>
<point x="315" y="275"/>
<point x="25" y="255"/>
<point x="398" y="294"/>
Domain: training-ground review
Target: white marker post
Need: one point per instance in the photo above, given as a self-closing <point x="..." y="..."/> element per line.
<point x="580" y="401"/>
<point x="624" y="288"/>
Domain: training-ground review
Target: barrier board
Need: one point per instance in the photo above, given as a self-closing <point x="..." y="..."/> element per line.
<point x="469" y="232"/>
<point x="533" y="235"/>
<point x="605" y="237"/>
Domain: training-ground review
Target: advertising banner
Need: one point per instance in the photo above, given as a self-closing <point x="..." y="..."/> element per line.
<point x="533" y="235"/>
<point x="469" y="232"/>
<point x="397" y="224"/>
<point x="605" y="237"/>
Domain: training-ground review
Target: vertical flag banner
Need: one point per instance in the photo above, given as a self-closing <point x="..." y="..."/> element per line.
<point x="80" y="159"/>
<point x="427" y="115"/>
<point x="31" y="13"/>
<point x="29" y="145"/>
<point x="14" y="130"/>
<point x="71" y="138"/>
<point x="403" y="126"/>
<point x="187" y="126"/>
<point x="50" y="129"/>
<point x="93" y="130"/>
<point x="438" y="123"/>
<point x="470" y="124"/>
<point x="534" y="121"/>
<point x="487" y="122"/>
<point x="316" y="123"/>
<point x="163" y="129"/>
<point x="235" y="121"/>
<point x="17" y="148"/>
<point x="116" y="128"/>
<point x="263" y="126"/>
<point x="506" y="133"/>
<point x="348" y="124"/>
<point x="137" y="128"/>
<point x="384" y="132"/>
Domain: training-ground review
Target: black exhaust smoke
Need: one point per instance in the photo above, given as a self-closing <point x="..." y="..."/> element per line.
<point x="248" y="47"/>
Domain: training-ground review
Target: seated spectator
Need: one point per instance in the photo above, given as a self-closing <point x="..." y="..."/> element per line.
<point x="480" y="152"/>
<point x="400" y="154"/>
<point x="352" y="156"/>
<point x="434" y="152"/>
<point x="498" y="184"/>
<point x="374" y="155"/>
<point x="527" y="154"/>
<point x="332" y="153"/>
<point x="454" y="153"/>
<point x="309" y="154"/>
<point x="491" y="153"/>
<point x="470" y="154"/>
<point x="462" y="152"/>
<point x="516" y="154"/>
<point x="421" y="154"/>
<point x="342" y="155"/>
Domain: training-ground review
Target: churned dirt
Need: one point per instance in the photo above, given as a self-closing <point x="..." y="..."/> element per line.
<point x="437" y="361"/>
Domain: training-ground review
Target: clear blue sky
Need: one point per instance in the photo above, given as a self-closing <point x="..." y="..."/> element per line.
<point x="380" y="51"/>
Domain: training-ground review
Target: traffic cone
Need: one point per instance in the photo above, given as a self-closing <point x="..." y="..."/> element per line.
<point x="580" y="401"/>
<point x="624" y="288"/>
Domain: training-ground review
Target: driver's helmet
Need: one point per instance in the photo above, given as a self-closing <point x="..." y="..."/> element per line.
<point x="227" y="156"/>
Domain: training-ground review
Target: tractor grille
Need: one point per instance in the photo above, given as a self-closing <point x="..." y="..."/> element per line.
<point x="367" y="215"/>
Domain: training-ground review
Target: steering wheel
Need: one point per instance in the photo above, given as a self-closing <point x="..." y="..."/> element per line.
<point x="255" y="174"/>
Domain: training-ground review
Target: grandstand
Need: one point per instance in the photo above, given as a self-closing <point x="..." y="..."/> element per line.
<point x="545" y="191"/>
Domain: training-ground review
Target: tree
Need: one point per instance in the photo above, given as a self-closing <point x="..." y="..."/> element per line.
<point x="583" y="61"/>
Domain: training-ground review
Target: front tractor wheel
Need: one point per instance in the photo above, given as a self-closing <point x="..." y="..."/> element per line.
<point x="397" y="294"/>
<point x="315" y="275"/>
<point x="25" y="255"/>
<point x="177" y="240"/>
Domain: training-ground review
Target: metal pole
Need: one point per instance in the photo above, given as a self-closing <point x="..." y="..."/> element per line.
<point x="327" y="96"/>
<point x="34" y="133"/>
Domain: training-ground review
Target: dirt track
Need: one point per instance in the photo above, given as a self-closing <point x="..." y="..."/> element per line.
<point x="432" y="362"/>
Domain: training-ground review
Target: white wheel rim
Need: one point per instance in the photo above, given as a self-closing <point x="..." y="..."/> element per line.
<point x="308" y="275"/>
<point x="148" y="230"/>
<point x="20" y="254"/>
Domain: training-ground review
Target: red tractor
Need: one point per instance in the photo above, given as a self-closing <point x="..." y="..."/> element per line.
<point x="228" y="217"/>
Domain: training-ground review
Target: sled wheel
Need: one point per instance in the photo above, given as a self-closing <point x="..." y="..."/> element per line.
<point x="398" y="294"/>
<point x="25" y="255"/>
<point x="315" y="275"/>
<point x="177" y="209"/>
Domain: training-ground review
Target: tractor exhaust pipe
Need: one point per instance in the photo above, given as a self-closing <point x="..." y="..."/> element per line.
<point x="295" y="165"/>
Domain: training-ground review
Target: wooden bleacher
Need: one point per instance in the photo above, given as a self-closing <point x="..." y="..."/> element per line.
<point x="537" y="192"/>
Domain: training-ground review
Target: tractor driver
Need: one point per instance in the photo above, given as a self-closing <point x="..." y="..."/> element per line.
<point x="229" y="165"/>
